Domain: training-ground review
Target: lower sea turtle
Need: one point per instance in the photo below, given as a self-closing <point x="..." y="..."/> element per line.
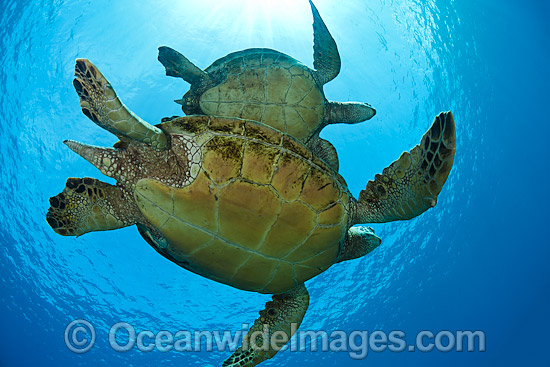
<point x="239" y="202"/>
<point x="268" y="86"/>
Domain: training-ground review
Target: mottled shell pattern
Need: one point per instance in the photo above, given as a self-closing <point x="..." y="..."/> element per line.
<point x="262" y="213"/>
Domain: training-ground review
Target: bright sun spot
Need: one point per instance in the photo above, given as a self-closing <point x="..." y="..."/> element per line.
<point x="248" y="18"/>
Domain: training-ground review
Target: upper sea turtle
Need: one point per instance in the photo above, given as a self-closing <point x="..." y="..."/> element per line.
<point x="270" y="87"/>
<point x="239" y="202"/>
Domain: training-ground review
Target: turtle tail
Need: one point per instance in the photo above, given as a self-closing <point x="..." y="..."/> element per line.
<point x="87" y="205"/>
<point x="411" y="184"/>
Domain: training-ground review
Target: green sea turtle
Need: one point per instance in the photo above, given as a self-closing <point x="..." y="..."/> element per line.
<point x="270" y="87"/>
<point x="239" y="202"/>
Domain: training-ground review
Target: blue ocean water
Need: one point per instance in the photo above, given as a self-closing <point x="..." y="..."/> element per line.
<point x="477" y="261"/>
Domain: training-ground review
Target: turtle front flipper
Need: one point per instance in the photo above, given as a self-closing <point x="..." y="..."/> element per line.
<point x="100" y="104"/>
<point x="277" y="322"/>
<point x="326" y="58"/>
<point x="325" y="150"/>
<point x="179" y="66"/>
<point x="410" y="185"/>
<point x="88" y="205"/>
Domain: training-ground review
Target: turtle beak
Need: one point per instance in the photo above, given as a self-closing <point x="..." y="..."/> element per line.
<point x="101" y="158"/>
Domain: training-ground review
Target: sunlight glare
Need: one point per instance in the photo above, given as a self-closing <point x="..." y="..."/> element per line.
<point x="248" y="20"/>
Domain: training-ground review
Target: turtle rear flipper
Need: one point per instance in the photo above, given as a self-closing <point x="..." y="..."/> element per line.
<point x="87" y="205"/>
<point x="283" y="316"/>
<point x="348" y="112"/>
<point x="410" y="185"/>
<point x="100" y="104"/>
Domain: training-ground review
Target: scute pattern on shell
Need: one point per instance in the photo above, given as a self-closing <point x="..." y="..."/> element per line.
<point x="274" y="217"/>
<point x="266" y="86"/>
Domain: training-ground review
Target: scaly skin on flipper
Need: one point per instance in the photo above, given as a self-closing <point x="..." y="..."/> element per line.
<point x="410" y="185"/>
<point x="100" y="103"/>
<point x="282" y="315"/>
<point x="87" y="205"/>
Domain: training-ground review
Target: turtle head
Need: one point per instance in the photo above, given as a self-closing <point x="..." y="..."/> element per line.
<point x="179" y="66"/>
<point x="190" y="102"/>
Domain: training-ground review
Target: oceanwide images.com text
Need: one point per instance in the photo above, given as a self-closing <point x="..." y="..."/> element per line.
<point x="81" y="336"/>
